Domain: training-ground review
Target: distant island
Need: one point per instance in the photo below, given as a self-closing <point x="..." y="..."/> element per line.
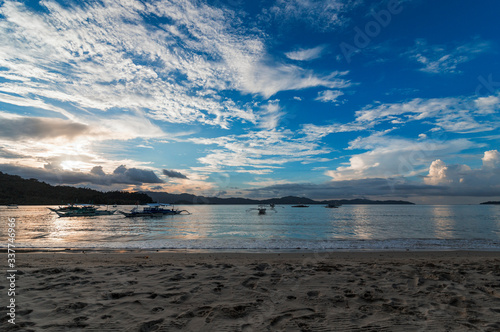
<point x="16" y="190"/>
<point x="193" y="199"/>
<point x="491" y="202"/>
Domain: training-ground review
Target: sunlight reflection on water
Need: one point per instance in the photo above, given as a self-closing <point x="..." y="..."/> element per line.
<point x="232" y="227"/>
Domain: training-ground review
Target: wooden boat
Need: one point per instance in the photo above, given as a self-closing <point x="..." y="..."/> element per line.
<point x="153" y="210"/>
<point x="81" y="210"/>
<point x="333" y="205"/>
<point x="262" y="209"/>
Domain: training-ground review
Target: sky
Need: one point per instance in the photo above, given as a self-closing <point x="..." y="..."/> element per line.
<point x="323" y="99"/>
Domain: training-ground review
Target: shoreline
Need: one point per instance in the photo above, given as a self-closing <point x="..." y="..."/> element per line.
<point x="278" y="291"/>
<point x="368" y="247"/>
<point x="40" y="258"/>
<point x="244" y="251"/>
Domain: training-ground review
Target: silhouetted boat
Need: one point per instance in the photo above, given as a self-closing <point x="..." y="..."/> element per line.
<point x="262" y="208"/>
<point x="333" y="205"/>
<point x="300" y="206"/>
<point x="81" y="210"/>
<point x="153" y="210"/>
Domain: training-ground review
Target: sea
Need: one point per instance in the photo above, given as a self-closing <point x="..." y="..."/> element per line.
<point x="241" y="228"/>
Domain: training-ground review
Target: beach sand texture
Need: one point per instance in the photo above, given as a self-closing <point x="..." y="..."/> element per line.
<point x="347" y="291"/>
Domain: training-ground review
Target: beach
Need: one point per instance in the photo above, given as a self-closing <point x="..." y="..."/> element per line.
<point x="218" y="291"/>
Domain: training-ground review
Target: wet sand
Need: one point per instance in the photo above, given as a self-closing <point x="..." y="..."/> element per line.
<point x="343" y="291"/>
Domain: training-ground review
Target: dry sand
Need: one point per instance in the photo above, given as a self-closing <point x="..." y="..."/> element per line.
<point x="360" y="291"/>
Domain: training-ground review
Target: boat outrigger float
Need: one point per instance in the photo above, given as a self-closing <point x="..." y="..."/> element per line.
<point x="153" y="210"/>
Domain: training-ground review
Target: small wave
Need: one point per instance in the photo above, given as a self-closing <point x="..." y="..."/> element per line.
<point x="205" y="244"/>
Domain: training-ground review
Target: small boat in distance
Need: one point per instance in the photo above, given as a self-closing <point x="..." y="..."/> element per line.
<point x="333" y="205"/>
<point x="81" y="210"/>
<point x="300" y="206"/>
<point x="12" y="206"/>
<point x="153" y="210"/>
<point x="262" y="208"/>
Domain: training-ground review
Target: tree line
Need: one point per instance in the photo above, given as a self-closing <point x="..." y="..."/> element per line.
<point x="16" y="190"/>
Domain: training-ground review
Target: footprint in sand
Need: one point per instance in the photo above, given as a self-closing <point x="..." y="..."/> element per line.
<point x="150" y="326"/>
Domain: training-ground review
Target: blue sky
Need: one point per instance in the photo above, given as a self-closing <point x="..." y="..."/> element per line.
<point x="325" y="99"/>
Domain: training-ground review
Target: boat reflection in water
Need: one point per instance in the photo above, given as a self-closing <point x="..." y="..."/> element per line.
<point x="154" y="210"/>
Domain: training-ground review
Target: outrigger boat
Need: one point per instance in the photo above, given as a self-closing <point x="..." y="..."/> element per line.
<point x="81" y="210"/>
<point x="153" y="210"/>
<point x="333" y="205"/>
<point x="262" y="209"/>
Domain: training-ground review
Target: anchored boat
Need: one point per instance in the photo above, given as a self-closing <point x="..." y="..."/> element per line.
<point x="333" y="205"/>
<point x="153" y="210"/>
<point x="262" y="208"/>
<point x="81" y="210"/>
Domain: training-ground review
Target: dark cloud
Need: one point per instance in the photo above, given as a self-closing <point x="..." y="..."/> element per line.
<point x="39" y="128"/>
<point x="174" y="174"/>
<point x="141" y="176"/>
<point x="120" y="170"/>
<point x="97" y="170"/>
<point x="54" y="175"/>
<point x="4" y="153"/>
<point x="373" y="188"/>
<point x="443" y="180"/>
<point x="156" y="188"/>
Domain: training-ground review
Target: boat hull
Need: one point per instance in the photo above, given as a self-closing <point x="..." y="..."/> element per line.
<point x="84" y="213"/>
<point x="151" y="214"/>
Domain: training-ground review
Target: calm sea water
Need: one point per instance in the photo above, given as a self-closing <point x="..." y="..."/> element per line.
<point x="437" y="227"/>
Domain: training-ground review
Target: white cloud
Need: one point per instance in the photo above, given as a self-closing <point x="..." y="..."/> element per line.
<point x="491" y="159"/>
<point x="329" y="96"/>
<point x="318" y="132"/>
<point x="322" y="15"/>
<point x="439" y="173"/>
<point x="306" y="54"/>
<point x="463" y="180"/>
<point x="454" y="114"/>
<point x="29" y="102"/>
<point x="268" y="80"/>
<point x="271" y="116"/>
<point x="393" y="157"/>
<point x="259" y="152"/>
<point x="488" y="105"/>
<point x="102" y="56"/>
<point x="439" y="59"/>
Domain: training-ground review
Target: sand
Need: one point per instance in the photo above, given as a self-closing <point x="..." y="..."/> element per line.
<point x="346" y="291"/>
